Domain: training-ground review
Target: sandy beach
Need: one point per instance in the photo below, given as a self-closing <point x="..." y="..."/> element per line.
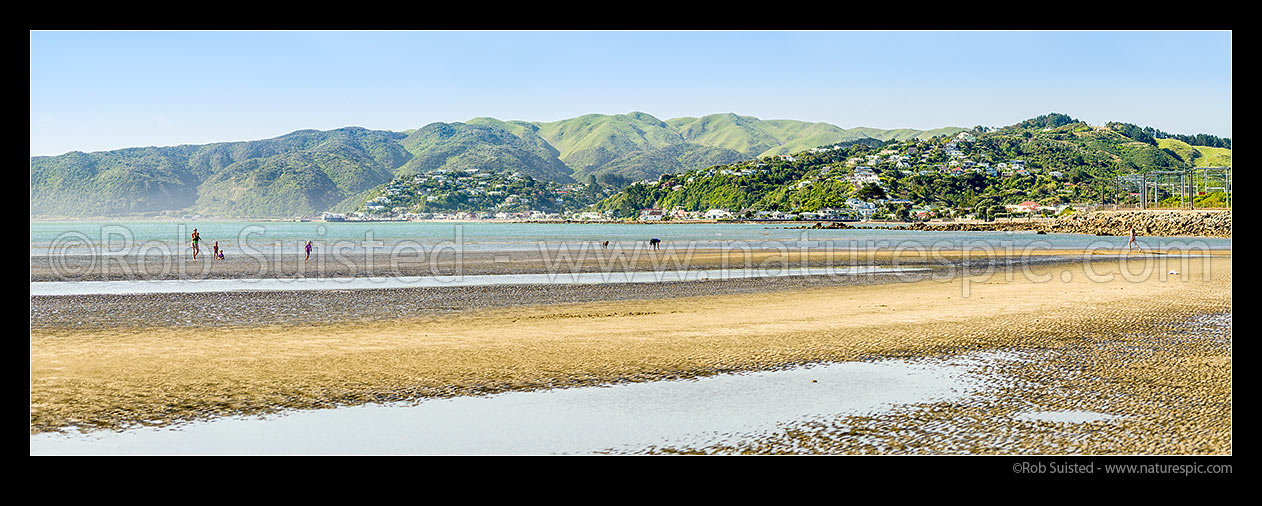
<point x="448" y="263"/>
<point x="111" y="375"/>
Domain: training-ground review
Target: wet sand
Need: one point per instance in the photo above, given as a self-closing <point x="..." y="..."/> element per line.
<point x="254" y="308"/>
<point x="447" y="263"/>
<point x="114" y="376"/>
<point x="1163" y="388"/>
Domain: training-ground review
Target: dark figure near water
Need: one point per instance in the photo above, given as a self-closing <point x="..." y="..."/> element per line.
<point x="604" y="245"/>
<point x="655" y="243"/>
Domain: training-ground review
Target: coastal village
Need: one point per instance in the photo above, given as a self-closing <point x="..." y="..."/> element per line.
<point x="473" y="194"/>
<point x="487" y="195"/>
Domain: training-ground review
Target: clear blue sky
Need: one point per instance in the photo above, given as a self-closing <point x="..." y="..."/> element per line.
<point x="100" y="90"/>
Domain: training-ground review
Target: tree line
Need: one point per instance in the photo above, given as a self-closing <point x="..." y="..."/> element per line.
<point x="1150" y="135"/>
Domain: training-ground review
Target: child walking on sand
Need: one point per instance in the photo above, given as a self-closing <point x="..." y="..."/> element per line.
<point x="308" y="251"/>
<point x="1132" y="244"/>
<point x="196" y="237"/>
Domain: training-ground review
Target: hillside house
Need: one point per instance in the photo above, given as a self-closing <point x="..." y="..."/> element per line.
<point x="1026" y="207"/>
<point x="718" y="214"/>
<point x="652" y="215"/>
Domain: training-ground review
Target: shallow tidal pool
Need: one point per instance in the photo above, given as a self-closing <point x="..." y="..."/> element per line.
<point x="619" y="418"/>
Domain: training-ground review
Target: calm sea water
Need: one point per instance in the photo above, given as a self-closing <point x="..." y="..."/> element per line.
<point x="115" y="238"/>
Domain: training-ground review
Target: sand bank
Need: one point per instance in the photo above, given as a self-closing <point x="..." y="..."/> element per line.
<point x="120" y="376"/>
<point x="579" y="258"/>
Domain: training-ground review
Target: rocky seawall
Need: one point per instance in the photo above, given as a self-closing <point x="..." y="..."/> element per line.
<point x="1146" y="223"/>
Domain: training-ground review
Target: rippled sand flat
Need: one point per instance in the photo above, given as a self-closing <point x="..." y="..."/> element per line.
<point x="575" y="258"/>
<point x="112" y="377"/>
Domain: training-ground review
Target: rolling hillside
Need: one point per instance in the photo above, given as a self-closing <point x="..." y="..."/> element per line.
<point x="309" y="171"/>
<point x="459" y="146"/>
<point x="1052" y="159"/>
<point x="1199" y="156"/>
<point x="301" y="172"/>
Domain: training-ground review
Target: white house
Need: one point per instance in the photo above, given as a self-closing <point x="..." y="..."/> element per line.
<point x="864" y="175"/>
<point x="834" y="213"/>
<point x="651" y="215"/>
<point x="718" y="214"/>
<point x="863" y="209"/>
<point x="1028" y="206"/>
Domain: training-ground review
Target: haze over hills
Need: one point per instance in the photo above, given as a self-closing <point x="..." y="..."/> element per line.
<point x="309" y="171"/>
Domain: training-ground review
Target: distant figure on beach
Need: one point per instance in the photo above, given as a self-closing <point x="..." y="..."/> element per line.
<point x="215" y="254"/>
<point x="308" y="250"/>
<point x="654" y="243"/>
<point x="220" y="254"/>
<point x="196" y="237"/>
<point x="604" y="245"/>
<point x="1133" y="244"/>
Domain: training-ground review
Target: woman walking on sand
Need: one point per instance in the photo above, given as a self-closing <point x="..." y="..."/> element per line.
<point x="196" y="237"/>
<point x="215" y="254"/>
<point x="308" y="251"/>
<point x="1132" y="244"/>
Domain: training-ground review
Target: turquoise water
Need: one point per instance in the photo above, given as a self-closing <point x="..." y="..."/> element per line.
<point x="122" y="237"/>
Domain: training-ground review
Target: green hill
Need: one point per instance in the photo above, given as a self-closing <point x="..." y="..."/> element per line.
<point x="1213" y="157"/>
<point x="310" y="171"/>
<point x="743" y="134"/>
<point x="283" y="185"/>
<point x="1199" y="156"/>
<point x="288" y="175"/>
<point x="1179" y="149"/>
<point x="485" y="145"/>
<point x="1051" y="159"/>
<point x="134" y="180"/>
<point x="757" y="138"/>
<point x="650" y="164"/>
<point x="589" y="142"/>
